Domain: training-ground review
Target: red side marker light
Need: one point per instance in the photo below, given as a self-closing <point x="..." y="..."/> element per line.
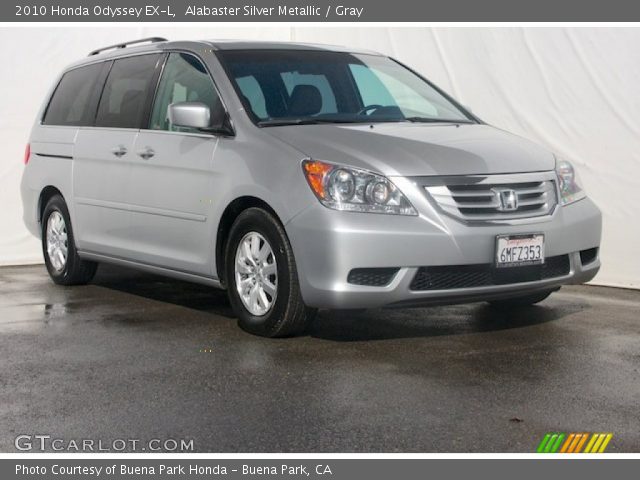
<point x="27" y="153"/>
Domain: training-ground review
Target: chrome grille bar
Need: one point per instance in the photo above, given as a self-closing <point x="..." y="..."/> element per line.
<point x="493" y="197"/>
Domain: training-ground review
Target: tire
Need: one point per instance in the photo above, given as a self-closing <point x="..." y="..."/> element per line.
<point x="524" y="301"/>
<point x="258" y="255"/>
<point x="57" y="239"/>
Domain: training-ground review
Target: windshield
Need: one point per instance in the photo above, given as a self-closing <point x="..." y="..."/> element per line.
<point x="282" y="87"/>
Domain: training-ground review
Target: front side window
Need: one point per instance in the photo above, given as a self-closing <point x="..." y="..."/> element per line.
<point x="298" y="86"/>
<point x="126" y="92"/>
<point x="184" y="79"/>
<point x="75" y="98"/>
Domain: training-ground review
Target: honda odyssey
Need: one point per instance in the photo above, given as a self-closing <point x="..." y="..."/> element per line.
<point x="296" y="177"/>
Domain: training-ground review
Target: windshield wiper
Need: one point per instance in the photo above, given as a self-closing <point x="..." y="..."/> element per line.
<point x="434" y="120"/>
<point x="278" y="122"/>
<point x="303" y="121"/>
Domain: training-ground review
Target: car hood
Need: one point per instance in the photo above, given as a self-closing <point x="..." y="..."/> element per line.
<point x="412" y="149"/>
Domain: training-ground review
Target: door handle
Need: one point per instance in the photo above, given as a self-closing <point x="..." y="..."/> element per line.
<point x="146" y="153"/>
<point x="119" y="151"/>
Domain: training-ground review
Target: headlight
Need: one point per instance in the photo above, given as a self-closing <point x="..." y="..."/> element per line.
<point x="568" y="182"/>
<point x="344" y="188"/>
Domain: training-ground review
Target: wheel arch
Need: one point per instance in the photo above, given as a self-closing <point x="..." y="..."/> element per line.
<point x="45" y="195"/>
<point x="231" y="212"/>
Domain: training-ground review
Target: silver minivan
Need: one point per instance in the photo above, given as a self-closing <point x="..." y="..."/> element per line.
<point x="296" y="177"/>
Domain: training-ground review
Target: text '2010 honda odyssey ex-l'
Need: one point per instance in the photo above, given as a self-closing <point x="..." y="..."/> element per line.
<point x="297" y="177"/>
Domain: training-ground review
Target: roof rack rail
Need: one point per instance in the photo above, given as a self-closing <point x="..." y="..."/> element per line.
<point x="126" y="44"/>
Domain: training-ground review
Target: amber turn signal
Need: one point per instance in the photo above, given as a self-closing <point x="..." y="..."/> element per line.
<point x="315" y="172"/>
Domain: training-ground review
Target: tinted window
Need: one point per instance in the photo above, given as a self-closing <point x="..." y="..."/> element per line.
<point x="75" y="98"/>
<point x="253" y="94"/>
<point x="126" y="92"/>
<point x="184" y="79"/>
<point x="320" y="82"/>
<point x="322" y="86"/>
<point x="376" y="86"/>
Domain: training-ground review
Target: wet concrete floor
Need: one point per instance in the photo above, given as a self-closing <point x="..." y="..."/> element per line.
<point x="137" y="356"/>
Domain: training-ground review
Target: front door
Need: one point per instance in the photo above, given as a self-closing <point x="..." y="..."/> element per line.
<point x="173" y="176"/>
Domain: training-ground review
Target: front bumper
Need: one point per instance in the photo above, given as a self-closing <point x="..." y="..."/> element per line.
<point x="329" y="244"/>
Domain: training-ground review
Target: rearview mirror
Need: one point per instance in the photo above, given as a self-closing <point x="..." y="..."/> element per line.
<point x="198" y="115"/>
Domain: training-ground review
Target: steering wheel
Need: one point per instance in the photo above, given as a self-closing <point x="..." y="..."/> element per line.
<point x="373" y="106"/>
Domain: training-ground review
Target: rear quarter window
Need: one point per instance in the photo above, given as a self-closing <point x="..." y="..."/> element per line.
<point x="75" y="99"/>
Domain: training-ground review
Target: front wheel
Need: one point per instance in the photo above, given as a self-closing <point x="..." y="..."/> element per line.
<point x="524" y="301"/>
<point x="262" y="279"/>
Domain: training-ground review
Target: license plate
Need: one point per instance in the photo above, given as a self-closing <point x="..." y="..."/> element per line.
<point x="519" y="250"/>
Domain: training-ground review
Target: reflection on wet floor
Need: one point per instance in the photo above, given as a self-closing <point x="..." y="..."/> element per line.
<point x="330" y="325"/>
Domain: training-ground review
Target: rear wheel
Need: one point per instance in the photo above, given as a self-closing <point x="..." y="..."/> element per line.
<point x="523" y="301"/>
<point x="262" y="279"/>
<point x="61" y="258"/>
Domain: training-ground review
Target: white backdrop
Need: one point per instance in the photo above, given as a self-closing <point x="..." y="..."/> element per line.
<point x="575" y="90"/>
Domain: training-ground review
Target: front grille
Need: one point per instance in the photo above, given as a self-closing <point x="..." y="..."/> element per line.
<point x="494" y="197"/>
<point x="372" y="277"/>
<point x="485" y="275"/>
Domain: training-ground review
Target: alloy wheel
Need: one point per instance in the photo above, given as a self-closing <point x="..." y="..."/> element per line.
<point x="256" y="274"/>
<point x="57" y="242"/>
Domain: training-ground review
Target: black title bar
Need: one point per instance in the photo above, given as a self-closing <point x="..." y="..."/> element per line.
<point x="319" y="11"/>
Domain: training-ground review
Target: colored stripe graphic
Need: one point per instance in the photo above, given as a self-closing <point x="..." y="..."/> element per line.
<point x="555" y="442"/>
<point x="543" y="443"/>
<point x="551" y="443"/>
<point x="592" y="440"/>
<point x="598" y="443"/>
<point x="556" y="446"/>
<point x="606" y="441"/>
<point x="567" y="443"/>
<point x="583" y="439"/>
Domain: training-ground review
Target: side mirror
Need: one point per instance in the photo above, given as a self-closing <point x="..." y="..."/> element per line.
<point x="190" y="114"/>
<point x="198" y="115"/>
